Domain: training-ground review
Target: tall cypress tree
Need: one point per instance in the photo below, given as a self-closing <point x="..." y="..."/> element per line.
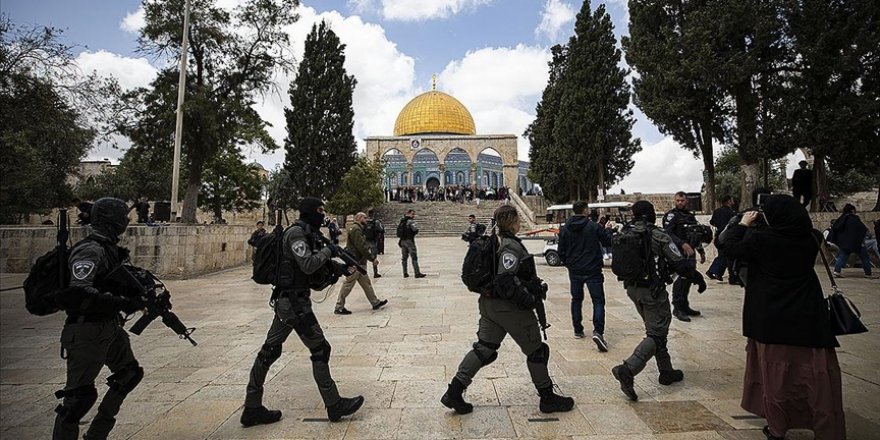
<point x="593" y="124"/>
<point x="320" y="147"/>
<point x="547" y="158"/>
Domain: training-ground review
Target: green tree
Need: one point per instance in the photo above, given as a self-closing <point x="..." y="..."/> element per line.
<point x="593" y="124"/>
<point x="320" y="147"/>
<point x="671" y="88"/>
<point x="834" y="97"/>
<point x="232" y="59"/>
<point x="547" y="158"/>
<point x="360" y="189"/>
<point x="230" y="185"/>
<point x="43" y="136"/>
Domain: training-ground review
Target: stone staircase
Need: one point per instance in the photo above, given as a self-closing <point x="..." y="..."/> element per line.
<point x="437" y="219"/>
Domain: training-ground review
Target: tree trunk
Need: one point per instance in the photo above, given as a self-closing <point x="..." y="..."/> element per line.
<point x="820" y="183"/>
<point x="709" y="165"/>
<point x="749" y="183"/>
<point x="600" y="174"/>
<point x="191" y="199"/>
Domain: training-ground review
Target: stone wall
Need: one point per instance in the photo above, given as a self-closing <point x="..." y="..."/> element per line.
<point x="167" y="251"/>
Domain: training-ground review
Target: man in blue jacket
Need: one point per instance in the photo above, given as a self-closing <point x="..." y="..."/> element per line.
<point x="581" y="253"/>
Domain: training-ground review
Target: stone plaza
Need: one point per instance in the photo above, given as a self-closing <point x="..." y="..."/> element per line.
<point x="401" y="358"/>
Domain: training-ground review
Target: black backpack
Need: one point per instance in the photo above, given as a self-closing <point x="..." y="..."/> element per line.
<point x="370" y="230"/>
<point x="630" y="256"/>
<point x="49" y="274"/>
<point x="478" y="269"/>
<point x="267" y="255"/>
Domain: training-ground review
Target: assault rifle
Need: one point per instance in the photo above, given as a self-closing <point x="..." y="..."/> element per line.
<point x="129" y="280"/>
<point x="539" y="290"/>
<point x="344" y="255"/>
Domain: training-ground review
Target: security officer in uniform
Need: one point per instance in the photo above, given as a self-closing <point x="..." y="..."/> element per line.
<point x="407" y="242"/>
<point x="93" y="335"/>
<point x="305" y="264"/>
<point x="474" y="230"/>
<point x="509" y="309"/>
<point x="652" y="302"/>
<point x="674" y="223"/>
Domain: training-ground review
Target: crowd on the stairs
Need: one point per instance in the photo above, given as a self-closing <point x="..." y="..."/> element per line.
<point x="452" y="193"/>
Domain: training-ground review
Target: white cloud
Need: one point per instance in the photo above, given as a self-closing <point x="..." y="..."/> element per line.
<point x="500" y="87"/>
<point x="421" y="10"/>
<point x="555" y="15"/>
<point x="130" y="72"/>
<point x="663" y="167"/>
<point x="134" y="21"/>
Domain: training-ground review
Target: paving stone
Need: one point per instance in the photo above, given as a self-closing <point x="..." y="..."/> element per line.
<point x="402" y="357"/>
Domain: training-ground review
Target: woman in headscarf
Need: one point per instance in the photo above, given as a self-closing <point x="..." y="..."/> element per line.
<point x="792" y="375"/>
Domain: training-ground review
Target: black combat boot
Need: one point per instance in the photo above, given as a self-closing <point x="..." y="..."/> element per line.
<point x="346" y="406"/>
<point x="552" y="402"/>
<point x="259" y="416"/>
<point x="669" y="377"/>
<point x="453" y="398"/>
<point x="623" y="375"/>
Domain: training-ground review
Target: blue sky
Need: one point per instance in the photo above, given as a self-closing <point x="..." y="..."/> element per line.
<point x="490" y="54"/>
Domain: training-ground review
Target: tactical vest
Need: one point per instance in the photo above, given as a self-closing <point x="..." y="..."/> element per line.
<point x="291" y="276"/>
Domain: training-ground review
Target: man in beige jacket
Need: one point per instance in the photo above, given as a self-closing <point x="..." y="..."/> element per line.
<point x="357" y="246"/>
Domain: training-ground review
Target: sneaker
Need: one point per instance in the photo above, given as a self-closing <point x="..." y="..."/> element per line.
<point x="713" y="276"/>
<point x="342" y="311"/>
<point x="625" y="377"/>
<point x="420" y="275"/>
<point x="601" y="344"/>
<point x="380" y="304"/>
<point x="681" y="315"/>
<point x="375" y="275"/>
<point x="578" y="335"/>
<point x="259" y="416"/>
<point x="552" y="402"/>
<point x="871" y="277"/>
<point x="406" y="275"/>
<point x="346" y="406"/>
<point x="669" y="377"/>
<point x="838" y="275"/>
<point x="691" y="312"/>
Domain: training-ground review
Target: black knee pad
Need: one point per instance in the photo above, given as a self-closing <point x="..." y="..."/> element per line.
<point x="305" y="325"/>
<point x="660" y="341"/>
<point x="126" y="379"/>
<point x="77" y="402"/>
<point x="321" y="353"/>
<point x="541" y="355"/>
<point x="486" y="351"/>
<point x="269" y="354"/>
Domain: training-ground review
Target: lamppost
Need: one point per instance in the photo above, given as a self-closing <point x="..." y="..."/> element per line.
<point x="178" y="129"/>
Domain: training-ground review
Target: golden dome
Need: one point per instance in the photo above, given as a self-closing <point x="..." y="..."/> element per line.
<point x="434" y="113"/>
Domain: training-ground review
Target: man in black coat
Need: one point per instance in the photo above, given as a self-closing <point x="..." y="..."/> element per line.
<point x="848" y="233"/>
<point x="720" y="218"/>
<point x="802" y="184"/>
<point x="675" y="224"/>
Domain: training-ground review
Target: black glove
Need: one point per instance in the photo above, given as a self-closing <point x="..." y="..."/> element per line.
<point x="128" y="304"/>
<point x="697" y="280"/>
<point x="524" y="299"/>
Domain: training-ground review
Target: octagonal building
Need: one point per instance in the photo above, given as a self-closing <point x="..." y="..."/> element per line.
<point x="435" y="144"/>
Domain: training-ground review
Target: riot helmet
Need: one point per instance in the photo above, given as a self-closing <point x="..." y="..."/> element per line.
<point x="109" y="216"/>
<point x="644" y="210"/>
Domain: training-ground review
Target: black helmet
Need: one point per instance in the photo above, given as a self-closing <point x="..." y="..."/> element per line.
<point x="109" y="216"/>
<point x="644" y="210"/>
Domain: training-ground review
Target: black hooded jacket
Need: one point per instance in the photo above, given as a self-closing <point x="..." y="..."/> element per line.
<point x="579" y="248"/>
<point x="784" y="303"/>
